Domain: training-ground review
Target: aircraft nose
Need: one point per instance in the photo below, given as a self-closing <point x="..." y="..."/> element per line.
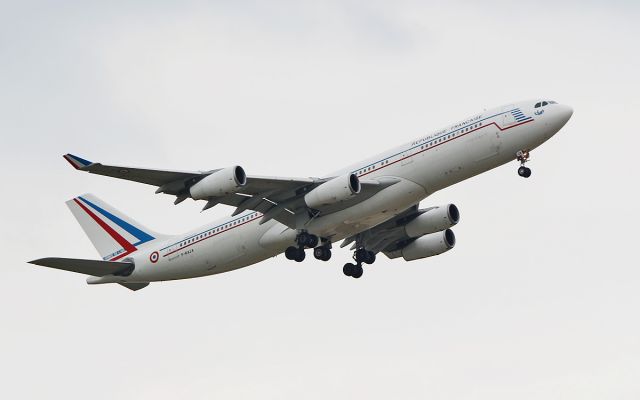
<point x="566" y="112"/>
<point x="561" y="115"/>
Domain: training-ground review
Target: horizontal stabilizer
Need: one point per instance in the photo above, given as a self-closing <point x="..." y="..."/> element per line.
<point x="88" y="267"/>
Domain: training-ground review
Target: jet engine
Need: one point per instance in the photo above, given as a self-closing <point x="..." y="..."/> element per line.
<point x="336" y="190"/>
<point x="433" y="220"/>
<point x="429" y="245"/>
<point x="220" y="183"/>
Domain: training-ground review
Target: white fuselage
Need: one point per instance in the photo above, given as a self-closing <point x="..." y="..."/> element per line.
<point x="425" y="165"/>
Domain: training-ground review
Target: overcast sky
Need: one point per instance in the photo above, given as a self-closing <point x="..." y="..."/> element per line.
<point x="540" y="298"/>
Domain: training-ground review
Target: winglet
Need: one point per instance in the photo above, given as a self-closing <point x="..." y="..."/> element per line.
<point x="76" y="162"/>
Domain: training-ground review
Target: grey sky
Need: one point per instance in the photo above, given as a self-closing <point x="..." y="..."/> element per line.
<point x="539" y="299"/>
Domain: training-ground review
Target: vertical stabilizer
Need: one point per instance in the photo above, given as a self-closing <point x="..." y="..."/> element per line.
<point x="113" y="234"/>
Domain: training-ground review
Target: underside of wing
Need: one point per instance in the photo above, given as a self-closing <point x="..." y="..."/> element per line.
<point x="415" y="233"/>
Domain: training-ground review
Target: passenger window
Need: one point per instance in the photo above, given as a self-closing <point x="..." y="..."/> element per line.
<point x="537" y="105"/>
<point x="544" y="103"/>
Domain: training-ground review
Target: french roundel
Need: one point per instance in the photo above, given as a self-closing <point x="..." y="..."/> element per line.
<point x="154" y="257"/>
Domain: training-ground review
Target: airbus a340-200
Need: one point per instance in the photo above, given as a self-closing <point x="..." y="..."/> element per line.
<point x="372" y="205"/>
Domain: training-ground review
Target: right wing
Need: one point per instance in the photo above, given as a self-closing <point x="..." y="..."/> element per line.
<point x="174" y="180"/>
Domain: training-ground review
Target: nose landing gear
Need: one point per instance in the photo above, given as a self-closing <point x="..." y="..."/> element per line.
<point x="523" y="157"/>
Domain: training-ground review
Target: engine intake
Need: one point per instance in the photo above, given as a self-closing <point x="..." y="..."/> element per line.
<point x="429" y="245"/>
<point x="435" y="219"/>
<point x="336" y="190"/>
<point x="220" y="183"/>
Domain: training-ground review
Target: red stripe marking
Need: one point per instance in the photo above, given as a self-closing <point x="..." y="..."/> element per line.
<point x="115" y="235"/>
<point x="71" y="162"/>
<point x="446" y="141"/>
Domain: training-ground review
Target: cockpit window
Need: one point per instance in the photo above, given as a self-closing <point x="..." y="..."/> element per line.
<point x="544" y="103"/>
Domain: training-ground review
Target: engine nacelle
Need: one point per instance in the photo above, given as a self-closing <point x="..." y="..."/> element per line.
<point x="334" y="191"/>
<point x="429" y="245"/>
<point x="434" y="220"/>
<point x="220" y="183"/>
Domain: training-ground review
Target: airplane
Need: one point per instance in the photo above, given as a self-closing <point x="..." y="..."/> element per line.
<point x="372" y="205"/>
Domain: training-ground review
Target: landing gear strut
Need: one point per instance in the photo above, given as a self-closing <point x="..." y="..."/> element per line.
<point x="360" y="256"/>
<point x="523" y="157"/>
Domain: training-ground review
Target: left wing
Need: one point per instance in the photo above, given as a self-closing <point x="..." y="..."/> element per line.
<point x="385" y="235"/>
<point x="428" y="228"/>
<point x="279" y="198"/>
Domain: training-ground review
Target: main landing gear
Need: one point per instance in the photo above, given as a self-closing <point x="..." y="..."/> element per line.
<point x="523" y="157"/>
<point x="360" y="256"/>
<point x="322" y="251"/>
<point x="308" y="240"/>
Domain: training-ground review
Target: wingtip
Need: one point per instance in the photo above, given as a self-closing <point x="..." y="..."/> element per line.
<point x="76" y="162"/>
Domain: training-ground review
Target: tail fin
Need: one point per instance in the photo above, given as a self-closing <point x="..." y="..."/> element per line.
<point x="112" y="233"/>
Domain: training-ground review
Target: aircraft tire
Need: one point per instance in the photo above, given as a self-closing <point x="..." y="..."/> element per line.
<point x="291" y="253"/>
<point x="300" y="255"/>
<point x="370" y="257"/>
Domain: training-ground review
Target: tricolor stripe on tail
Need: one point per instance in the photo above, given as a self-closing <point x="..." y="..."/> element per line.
<point x="113" y="234"/>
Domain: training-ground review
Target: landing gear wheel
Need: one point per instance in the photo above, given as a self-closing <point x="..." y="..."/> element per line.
<point x="357" y="271"/>
<point x="524" y="172"/>
<point x="371" y="257"/>
<point x="291" y="253"/>
<point x="300" y="255"/>
<point x="348" y="269"/>
<point x="364" y="256"/>
<point x="360" y="255"/>
<point x="322" y="253"/>
<point x="307" y="240"/>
